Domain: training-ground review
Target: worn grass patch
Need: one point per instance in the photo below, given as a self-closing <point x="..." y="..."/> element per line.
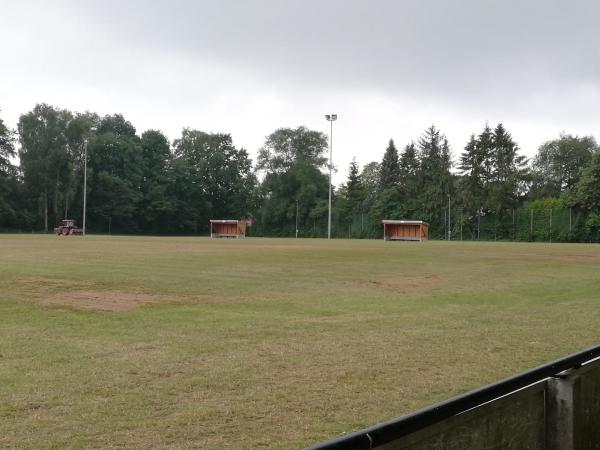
<point x="102" y="300"/>
<point x="113" y="342"/>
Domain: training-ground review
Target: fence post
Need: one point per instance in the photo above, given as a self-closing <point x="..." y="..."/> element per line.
<point x="560" y="415"/>
<point x="570" y="221"/>
<point x="531" y="225"/>
<point x="551" y="225"/>
<point x="513" y="226"/>
<point x="573" y="409"/>
<point x="449" y="220"/>
<point x="445" y="225"/>
<point x="496" y="227"/>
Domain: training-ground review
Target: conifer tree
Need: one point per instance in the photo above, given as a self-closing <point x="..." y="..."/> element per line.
<point x="354" y="188"/>
<point x="434" y="179"/>
<point x="409" y="163"/>
<point x="409" y="167"/>
<point x="476" y="165"/>
<point x="509" y="171"/>
<point x="472" y="165"/>
<point x="390" y="167"/>
<point x="352" y="194"/>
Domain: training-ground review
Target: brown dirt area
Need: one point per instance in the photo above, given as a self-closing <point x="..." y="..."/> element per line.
<point x="408" y="284"/>
<point x="111" y="301"/>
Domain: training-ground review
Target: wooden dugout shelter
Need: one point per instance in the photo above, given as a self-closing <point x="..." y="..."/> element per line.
<point x="405" y="230"/>
<point x="228" y="228"/>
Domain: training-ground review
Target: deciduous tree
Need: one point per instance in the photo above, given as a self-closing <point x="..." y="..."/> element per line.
<point x="44" y="157"/>
<point x="559" y="163"/>
<point x="7" y="175"/>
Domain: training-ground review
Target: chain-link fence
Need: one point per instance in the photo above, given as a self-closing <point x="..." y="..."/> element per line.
<point x="525" y="225"/>
<point x="519" y="224"/>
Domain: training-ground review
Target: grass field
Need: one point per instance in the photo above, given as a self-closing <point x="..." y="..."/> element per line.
<point x="112" y="342"/>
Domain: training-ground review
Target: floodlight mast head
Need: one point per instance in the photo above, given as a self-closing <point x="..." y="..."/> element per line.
<point x="330" y="118"/>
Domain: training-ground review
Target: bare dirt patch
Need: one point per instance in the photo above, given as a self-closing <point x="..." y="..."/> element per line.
<point x="408" y="284"/>
<point x="115" y="301"/>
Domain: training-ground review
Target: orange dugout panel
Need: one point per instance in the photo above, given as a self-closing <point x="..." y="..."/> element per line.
<point x="405" y="230"/>
<point x="227" y="228"/>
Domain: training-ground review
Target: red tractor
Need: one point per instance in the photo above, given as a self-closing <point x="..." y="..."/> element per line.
<point x="66" y="227"/>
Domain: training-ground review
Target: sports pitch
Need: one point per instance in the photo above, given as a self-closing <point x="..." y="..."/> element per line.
<point x="144" y="342"/>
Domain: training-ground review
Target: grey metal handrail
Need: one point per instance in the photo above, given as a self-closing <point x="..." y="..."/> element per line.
<point x="385" y="432"/>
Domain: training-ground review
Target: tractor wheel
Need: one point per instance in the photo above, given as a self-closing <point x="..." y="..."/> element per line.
<point x="65" y="232"/>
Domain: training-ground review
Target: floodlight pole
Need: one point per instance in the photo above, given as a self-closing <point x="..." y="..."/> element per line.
<point x="331" y="118"/>
<point x="85" y="147"/>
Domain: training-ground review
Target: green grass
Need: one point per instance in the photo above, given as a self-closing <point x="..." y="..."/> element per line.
<point x="269" y="343"/>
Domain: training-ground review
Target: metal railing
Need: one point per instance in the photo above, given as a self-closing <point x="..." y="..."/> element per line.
<point x="386" y="432"/>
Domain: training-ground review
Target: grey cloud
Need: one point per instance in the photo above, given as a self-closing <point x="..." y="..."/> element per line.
<point x="442" y="48"/>
<point x="249" y="66"/>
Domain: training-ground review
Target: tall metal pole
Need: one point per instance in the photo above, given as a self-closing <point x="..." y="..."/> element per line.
<point x="331" y="118"/>
<point x="330" y="171"/>
<point x="85" y="148"/>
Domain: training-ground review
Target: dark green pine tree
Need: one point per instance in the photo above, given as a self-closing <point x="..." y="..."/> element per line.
<point x="434" y="179"/>
<point x="509" y="178"/>
<point x="473" y="180"/>
<point x="509" y="172"/>
<point x="446" y="165"/>
<point x="485" y="151"/>
<point x="351" y="195"/>
<point x="476" y="166"/>
<point x="390" y="167"/>
<point x="409" y="167"/>
<point x="354" y="187"/>
<point x="409" y="163"/>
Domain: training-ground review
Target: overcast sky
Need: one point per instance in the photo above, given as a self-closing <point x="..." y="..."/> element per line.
<point x="388" y="68"/>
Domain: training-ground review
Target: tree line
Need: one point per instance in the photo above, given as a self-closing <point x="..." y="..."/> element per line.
<point x="143" y="183"/>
